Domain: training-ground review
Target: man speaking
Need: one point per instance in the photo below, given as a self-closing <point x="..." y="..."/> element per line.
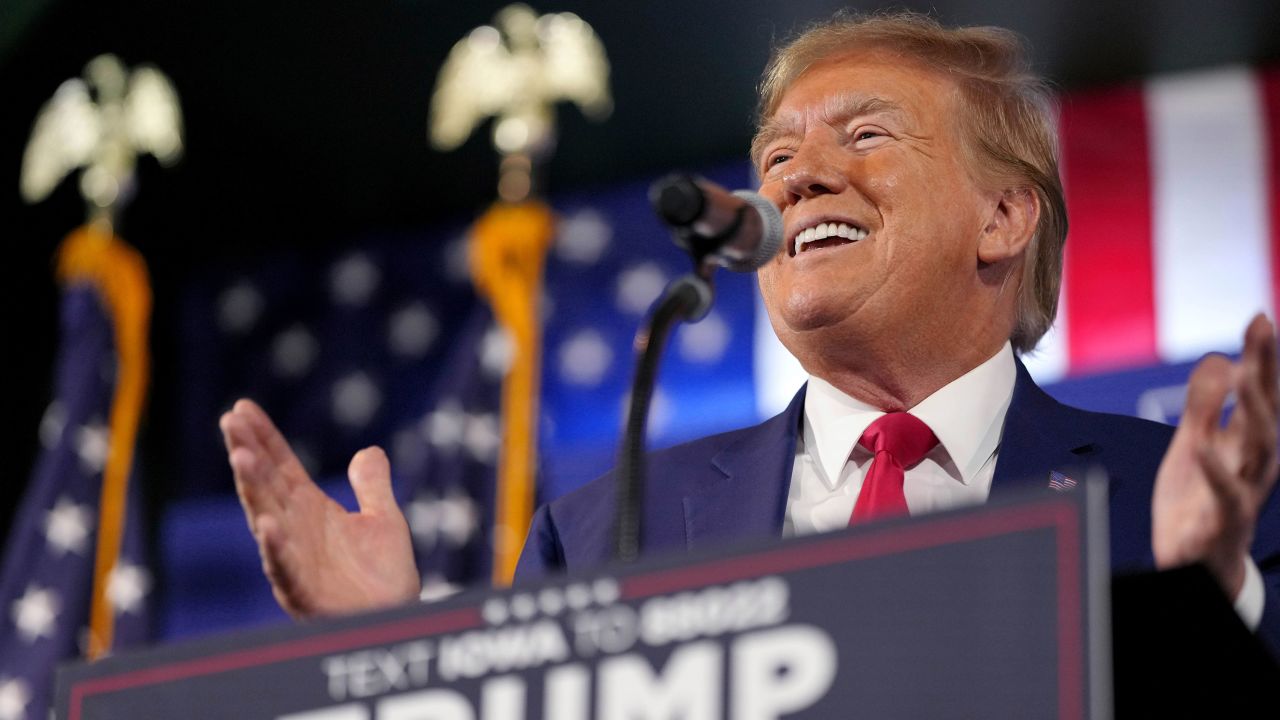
<point x="916" y="168"/>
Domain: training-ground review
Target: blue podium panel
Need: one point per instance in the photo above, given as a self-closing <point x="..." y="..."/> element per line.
<point x="998" y="611"/>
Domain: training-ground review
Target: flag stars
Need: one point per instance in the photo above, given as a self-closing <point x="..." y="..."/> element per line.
<point x="35" y="613"/>
<point x="457" y="259"/>
<point x="294" y="352"/>
<point x="127" y="587"/>
<point x="443" y="427"/>
<point x="355" y="399"/>
<point x="353" y="280"/>
<point x="639" y="286"/>
<point x="550" y="602"/>
<point x="15" y="695"/>
<point x="413" y="331"/>
<point x="453" y="518"/>
<point x="481" y="437"/>
<point x="239" y="308"/>
<point x="705" y="341"/>
<point x="52" y="424"/>
<point x="66" y="527"/>
<point x="436" y="587"/>
<point x="91" y="443"/>
<point x="583" y="237"/>
<point x="497" y="352"/>
<point x="585" y="358"/>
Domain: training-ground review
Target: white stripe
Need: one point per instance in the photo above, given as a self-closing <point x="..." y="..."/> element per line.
<point x="1212" y="261"/>
<point x="777" y="372"/>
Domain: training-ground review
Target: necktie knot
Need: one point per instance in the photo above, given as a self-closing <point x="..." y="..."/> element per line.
<point x="902" y="435"/>
<point x="899" y="440"/>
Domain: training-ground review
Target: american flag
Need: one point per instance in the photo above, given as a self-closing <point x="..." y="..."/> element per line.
<point x="49" y="559"/>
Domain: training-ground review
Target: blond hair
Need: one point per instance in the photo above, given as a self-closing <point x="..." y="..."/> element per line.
<point x="1008" y="120"/>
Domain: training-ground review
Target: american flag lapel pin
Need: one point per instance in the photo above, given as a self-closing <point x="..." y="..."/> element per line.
<point x="1060" y="482"/>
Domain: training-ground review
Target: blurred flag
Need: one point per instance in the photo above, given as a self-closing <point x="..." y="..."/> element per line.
<point x="1173" y="189"/>
<point x="77" y="508"/>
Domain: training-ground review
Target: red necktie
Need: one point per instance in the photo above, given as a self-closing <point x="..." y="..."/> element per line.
<point x="899" y="441"/>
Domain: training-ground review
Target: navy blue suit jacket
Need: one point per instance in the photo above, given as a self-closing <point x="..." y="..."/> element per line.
<point x="733" y="486"/>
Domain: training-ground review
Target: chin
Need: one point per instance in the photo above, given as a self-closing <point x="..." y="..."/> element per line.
<point x="802" y="312"/>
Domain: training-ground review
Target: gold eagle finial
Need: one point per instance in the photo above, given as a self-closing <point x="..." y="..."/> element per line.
<point x="515" y="71"/>
<point x="102" y="123"/>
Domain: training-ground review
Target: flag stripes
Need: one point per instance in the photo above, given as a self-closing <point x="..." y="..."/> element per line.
<point x="1108" y="257"/>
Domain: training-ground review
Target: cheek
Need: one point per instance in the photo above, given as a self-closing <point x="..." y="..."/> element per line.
<point x="772" y="191"/>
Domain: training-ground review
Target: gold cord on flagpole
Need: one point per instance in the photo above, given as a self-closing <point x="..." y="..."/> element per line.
<point x="93" y="254"/>
<point x="507" y="251"/>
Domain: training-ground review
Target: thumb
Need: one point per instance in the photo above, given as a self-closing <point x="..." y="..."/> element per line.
<point x="370" y="476"/>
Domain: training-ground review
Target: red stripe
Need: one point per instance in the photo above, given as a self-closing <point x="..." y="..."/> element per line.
<point x="1271" y="116"/>
<point x="1110" y="298"/>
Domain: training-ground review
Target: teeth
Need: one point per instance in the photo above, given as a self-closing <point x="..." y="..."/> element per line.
<point x="822" y="231"/>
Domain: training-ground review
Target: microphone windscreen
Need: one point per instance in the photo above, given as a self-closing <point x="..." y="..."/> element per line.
<point x="770" y="232"/>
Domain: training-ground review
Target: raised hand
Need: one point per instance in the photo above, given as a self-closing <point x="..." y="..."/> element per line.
<point x="319" y="558"/>
<point x="1214" y="480"/>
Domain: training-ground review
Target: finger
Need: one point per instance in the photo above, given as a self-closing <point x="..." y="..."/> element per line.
<point x="1260" y="348"/>
<point x="370" y="476"/>
<point x="271" y="440"/>
<point x="1224" y="484"/>
<point x="1255" y="419"/>
<point x="1206" y="392"/>
<point x="1253" y="423"/>
<point x="258" y="485"/>
<point x="1259" y="360"/>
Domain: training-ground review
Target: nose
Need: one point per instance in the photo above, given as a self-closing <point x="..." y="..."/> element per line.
<point x="810" y="173"/>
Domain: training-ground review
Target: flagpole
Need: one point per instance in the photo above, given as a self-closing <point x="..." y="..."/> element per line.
<point x="503" y="70"/>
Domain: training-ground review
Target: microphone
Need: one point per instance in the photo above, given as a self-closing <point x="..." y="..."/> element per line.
<point x="739" y="230"/>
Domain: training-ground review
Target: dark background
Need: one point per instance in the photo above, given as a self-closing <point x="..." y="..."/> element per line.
<point x="306" y="125"/>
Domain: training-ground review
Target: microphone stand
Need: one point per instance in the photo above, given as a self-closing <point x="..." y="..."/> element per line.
<point x="686" y="298"/>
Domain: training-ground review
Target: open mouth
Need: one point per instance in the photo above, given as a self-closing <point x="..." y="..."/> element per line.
<point x="826" y="235"/>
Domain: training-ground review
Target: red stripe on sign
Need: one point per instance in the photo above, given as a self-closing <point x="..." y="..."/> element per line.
<point x="1271" y="117"/>
<point x="1108" y="257"/>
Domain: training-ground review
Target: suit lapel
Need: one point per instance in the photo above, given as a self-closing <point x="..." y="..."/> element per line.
<point x="1039" y="437"/>
<point x="747" y="497"/>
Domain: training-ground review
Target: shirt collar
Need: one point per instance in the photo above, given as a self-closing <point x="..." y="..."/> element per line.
<point x="966" y="414"/>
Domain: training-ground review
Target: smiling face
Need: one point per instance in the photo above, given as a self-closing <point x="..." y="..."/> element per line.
<point x="885" y="225"/>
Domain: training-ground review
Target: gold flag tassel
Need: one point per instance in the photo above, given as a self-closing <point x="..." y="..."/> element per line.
<point x="93" y="254"/>
<point x="508" y="250"/>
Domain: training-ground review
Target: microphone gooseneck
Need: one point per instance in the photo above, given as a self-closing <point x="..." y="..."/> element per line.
<point x="740" y="231"/>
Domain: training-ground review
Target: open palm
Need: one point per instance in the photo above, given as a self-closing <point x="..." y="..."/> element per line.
<point x="319" y="558"/>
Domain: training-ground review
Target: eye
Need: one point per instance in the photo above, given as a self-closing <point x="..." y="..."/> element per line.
<point x="774" y="159"/>
<point x="865" y="136"/>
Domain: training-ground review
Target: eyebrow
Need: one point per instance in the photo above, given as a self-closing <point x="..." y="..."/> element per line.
<point x="837" y="109"/>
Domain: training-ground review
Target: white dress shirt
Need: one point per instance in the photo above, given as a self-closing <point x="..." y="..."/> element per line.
<point x="966" y="415"/>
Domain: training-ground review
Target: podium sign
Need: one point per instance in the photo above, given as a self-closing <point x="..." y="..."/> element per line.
<point x="997" y="611"/>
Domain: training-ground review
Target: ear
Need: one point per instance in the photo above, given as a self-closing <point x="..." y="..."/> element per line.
<point x="1010" y="227"/>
